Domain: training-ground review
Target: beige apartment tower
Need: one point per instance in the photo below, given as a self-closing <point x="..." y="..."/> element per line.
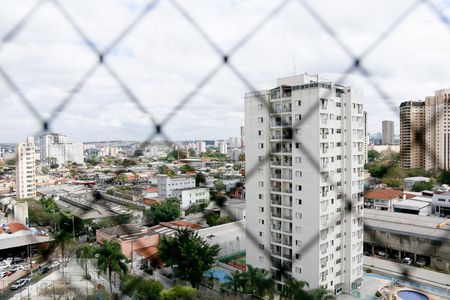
<point x="387" y="137"/>
<point x="425" y="132"/>
<point x="26" y="169"/>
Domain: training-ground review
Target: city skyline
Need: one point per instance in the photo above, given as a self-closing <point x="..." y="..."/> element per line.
<point x="101" y="111"/>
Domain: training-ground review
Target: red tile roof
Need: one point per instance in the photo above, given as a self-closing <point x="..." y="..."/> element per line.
<point x="181" y="223"/>
<point x="14" y="227"/>
<point x="386" y="194"/>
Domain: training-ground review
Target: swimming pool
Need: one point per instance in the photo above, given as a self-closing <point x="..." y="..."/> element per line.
<point x="427" y="288"/>
<point x="219" y="274"/>
<point x="411" y="295"/>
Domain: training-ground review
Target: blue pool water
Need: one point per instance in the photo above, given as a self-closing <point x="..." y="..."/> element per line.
<point x="219" y="274"/>
<point x="427" y="288"/>
<point x="412" y="295"/>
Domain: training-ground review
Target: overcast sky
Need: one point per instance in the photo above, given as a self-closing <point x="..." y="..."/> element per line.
<point x="164" y="58"/>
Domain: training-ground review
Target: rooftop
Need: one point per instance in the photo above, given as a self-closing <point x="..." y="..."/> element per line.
<point x="386" y="194"/>
<point x="123" y="230"/>
<point x="428" y="227"/>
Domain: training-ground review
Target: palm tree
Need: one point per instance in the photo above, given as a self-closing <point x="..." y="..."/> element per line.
<point x="235" y="281"/>
<point x="265" y="284"/>
<point x="295" y="289"/>
<point x="62" y="243"/>
<point x="259" y="282"/>
<point x="111" y="259"/>
<point x="322" y="293"/>
<point x="84" y="252"/>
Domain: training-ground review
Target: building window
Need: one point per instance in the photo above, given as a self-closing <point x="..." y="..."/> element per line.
<point x="298" y="229"/>
<point x="261" y="183"/>
<point x="298" y="256"/>
<point x="260" y="196"/>
<point x="261" y="246"/>
<point x="298" y="215"/>
<point x="299" y="201"/>
<point x="298" y="187"/>
<point x="261" y="258"/>
<point x="297" y="145"/>
<point x="298" y="117"/>
<point x="298" y="270"/>
<point x="260" y="106"/>
<point x="261" y="221"/>
<point x="261" y="209"/>
<point x="260" y="132"/>
<point x="260" y="233"/>
<point x="298" y="159"/>
<point x="260" y="120"/>
<point x="260" y="145"/>
<point x="298" y="102"/>
<point x="298" y="173"/>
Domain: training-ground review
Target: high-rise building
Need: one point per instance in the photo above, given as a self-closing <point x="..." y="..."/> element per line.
<point x="201" y="147"/>
<point x="56" y="147"/>
<point x="307" y="152"/>
<point x="222" y="145"/>
<point x="26" y="169"/>
<point x="425" y="133"/>
<point x="387" y="135"/>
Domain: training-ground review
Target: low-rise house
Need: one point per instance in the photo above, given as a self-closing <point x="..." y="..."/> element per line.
<point x="440" y="204"/>
<point x="384" y="199"/>
<point x="189" y="196"/>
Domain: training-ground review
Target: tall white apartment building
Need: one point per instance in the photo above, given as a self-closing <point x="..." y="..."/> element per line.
<point x="57" y="147"/>
<point x="200" y="147"/>
<point x="222" y="145"/>
<point x="312" y="132"/>
<point x="26" y="169"/>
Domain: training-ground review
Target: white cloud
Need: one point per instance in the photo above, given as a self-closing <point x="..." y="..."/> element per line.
<point x="164" y="58"/>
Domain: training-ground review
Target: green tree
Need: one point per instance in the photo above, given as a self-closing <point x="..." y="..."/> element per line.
<point x="237" y="166"/>
<point x="11" y="162"/>
<point x="373" y="155"/>
<point x="166" y="211"/>
<point x="85" y="252"/>
<point x="188" y="254"/>
<point x="192" y="153"/>
<point x="235" y="282"/>
<point x="110" y="259"/>
<point x="259" y="282"/>
<point x="121" y="178"/>
<point x="49" y="204"/>
<point x="296" y="289"/>
<point x="141" y="289"/>
<point x="214" y="219"/>
<point x="218" y="198"/>
<point x="218" y="185"/>
<point x="62" y="246"/>
<point x="444" y="177"/>
<point x="322" y="293"/>
<point x="200" y="179"/>
<point x="179" y="293"/>
<point x="423" y="185"/>
<point x="186" y="168"/>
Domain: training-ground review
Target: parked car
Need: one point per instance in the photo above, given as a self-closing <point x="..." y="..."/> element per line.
<point x="17" y="268"/>
<point x="44" y="270"/>
<point x="55" y="264"/>
<point x="421" y="262"/>
<point x="18" y="284"/>
<point x="142" y="266"/>
<point x="407" y="260"/>
<point x="3" y="274"/>
<point x="381" y="253"/>
<point x="366" y="253"/>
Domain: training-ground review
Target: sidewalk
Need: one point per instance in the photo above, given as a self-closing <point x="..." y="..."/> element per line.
<point x="420" y="275"/>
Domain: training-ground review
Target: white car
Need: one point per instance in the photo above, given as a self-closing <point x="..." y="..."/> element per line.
<point x="17" y="268"/>
<point x="407" y="260"/>
<point x="18" y="284"/>
<point x="2" y="274"/>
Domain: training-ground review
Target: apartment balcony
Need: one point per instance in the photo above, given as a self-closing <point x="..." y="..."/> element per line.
<point x="280" y="137"/>
<point x="276" y="110"/>
<point x="276" y="215"/>
<point x="281" y="124"/>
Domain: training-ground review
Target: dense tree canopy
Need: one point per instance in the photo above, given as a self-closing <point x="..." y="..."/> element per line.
<point x="168" y="210"/>
<point x="188" y="254"/>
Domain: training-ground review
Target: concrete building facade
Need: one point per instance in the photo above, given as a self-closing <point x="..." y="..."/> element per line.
<point x="167" y="184"/>
<point x="425" y="132"/>
<point x="56" y="147"/>
<point x="189" y="196"/>
<point x="387" y="134"/>
<point x="26" y="169"/>
<point x="297" y="197"/>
